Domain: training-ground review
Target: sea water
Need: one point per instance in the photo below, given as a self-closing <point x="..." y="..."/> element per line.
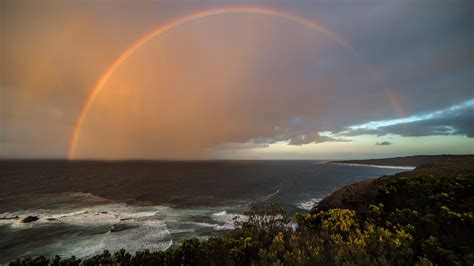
<point x="85" y="207"/>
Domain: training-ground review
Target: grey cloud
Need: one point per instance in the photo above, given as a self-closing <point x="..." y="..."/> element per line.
<point x="424" y="57"/>
<point x="361" y="131"/>
<point x="294" y="138"/>
<point x="383" y="143"/>
<point x="458" y="122"/>
<point x="313" y="138"/>
<point x="454" y="121"/>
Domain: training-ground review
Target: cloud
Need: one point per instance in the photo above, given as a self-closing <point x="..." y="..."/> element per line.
<point x="300" y="137"/>
<point x="294" y="139"/>
<point x="383" y="143"/>
<point x="454" y="120"/>
<point x="449" y="122"/>
<point x="313" y="138"/>
<point x="240" y="81"/>
<point x="360" y="131"/>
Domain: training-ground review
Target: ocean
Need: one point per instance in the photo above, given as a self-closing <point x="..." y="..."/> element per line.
<point x="87" y="206"/>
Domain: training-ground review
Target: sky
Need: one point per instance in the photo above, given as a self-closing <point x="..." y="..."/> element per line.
<point x="377" y="79"/>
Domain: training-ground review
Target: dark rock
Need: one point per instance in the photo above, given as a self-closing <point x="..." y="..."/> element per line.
<point x="51" y="219"/>
<point x="10" y="218"/>
<point x="29" y="219"/>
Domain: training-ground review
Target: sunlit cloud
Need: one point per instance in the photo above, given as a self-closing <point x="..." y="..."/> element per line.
<point x="414" y="118"/>
<point x="453" y="120"/>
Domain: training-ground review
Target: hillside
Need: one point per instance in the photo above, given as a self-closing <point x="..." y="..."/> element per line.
<point x="443" y="168"/>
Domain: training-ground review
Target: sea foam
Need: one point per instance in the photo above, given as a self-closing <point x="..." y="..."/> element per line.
<point x="308" y="204"/>
<point x="111" y="225"/>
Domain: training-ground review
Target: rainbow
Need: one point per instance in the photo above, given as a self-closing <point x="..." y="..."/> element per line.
<point x="122" y="58"/>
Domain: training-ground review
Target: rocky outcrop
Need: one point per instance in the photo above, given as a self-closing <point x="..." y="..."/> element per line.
<point x="29" y="219"/>
<point x="10" y="218"/>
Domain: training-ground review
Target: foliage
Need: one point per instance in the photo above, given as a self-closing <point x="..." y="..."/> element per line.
<point x="437" y="210"/>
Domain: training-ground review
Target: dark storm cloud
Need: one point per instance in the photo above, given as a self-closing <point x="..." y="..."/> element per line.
<point x="423" y="49"/>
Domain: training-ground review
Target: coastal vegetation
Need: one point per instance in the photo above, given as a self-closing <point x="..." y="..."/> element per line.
<point x="421" y="217"/>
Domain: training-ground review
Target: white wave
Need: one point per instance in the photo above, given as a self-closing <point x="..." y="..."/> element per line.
<point x="143" y="228"/>
<point x="308" y="204"/>
<point x="132" y="240"/>
<point x="220" y="213"/>
<point x="226" y="220"/>
<point x="379" y="166"/>
<point x="113" y="226"/>
<point x="82" y="195"/>
<point x="271" y="195"/>
<point x="97" y="215"/>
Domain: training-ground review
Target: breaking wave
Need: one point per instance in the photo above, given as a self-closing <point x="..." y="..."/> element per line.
<point x="112" y="226"/>
<point x="308" y="204"/>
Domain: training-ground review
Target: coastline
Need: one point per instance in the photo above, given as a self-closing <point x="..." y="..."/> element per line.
<point x="408" y="208"/>
<point x="376" y="166"/>
<point x="405" y="161"/>
<point x="357" y="196"/>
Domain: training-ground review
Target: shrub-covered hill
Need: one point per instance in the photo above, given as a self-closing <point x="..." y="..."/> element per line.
<point x="434" y="203"/>
<point x="421" y="217"/>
